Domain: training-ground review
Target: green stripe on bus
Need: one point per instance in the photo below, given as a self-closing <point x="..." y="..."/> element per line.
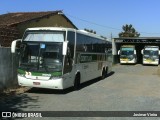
<point x="92" y="57"/>
<point x="20" y="71"/>
<point x="56" y="74"/>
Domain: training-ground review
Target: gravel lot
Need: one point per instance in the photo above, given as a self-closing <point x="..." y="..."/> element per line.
<point x="128" y="88"/>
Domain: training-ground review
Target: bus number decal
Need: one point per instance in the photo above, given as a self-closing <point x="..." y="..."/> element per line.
<point x="86" y="58"/>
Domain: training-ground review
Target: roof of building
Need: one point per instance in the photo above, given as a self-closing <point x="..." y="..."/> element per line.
<point x="139" y="38"/>
<point x="11" y="19"/>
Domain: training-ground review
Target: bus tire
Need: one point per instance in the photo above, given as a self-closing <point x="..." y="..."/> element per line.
<point x="106" y="72"/>
<point x="77" y="82"/>
<point x="103" y="74"/>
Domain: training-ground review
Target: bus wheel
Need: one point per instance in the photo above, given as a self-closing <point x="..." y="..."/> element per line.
<point x="103" y="74"/>
<point x="106" y="72"/>
<point x="77" y="82"/>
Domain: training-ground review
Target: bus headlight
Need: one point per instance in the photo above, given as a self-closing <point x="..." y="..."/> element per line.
<point x="28" y="73"/>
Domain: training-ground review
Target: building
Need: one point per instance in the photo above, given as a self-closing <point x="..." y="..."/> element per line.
<point x="139" y="43"/>
<point x="13" y="25"/>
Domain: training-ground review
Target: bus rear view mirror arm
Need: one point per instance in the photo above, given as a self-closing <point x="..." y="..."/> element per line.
<point x="142" y="51"/>
<point x="64" y="51"/>
<point x="14" y="44"/>
<point x="118" y="52"/>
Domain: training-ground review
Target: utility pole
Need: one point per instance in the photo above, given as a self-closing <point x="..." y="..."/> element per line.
<point x="111" y="36"/>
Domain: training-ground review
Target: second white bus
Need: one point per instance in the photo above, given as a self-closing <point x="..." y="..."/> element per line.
<point x="150" y="55"/>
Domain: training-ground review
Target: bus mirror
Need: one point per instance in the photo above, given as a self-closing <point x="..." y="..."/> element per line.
<point x="135" y="52"/>
<point x="14" y="45"/>
<point x="142" y="51"/>
<point x="118" y="52"/>
<point x="106" y="50"/>
<point x="64" y="51"/>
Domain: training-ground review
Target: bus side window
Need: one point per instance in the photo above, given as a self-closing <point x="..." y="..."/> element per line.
<point x="69" y="58"/>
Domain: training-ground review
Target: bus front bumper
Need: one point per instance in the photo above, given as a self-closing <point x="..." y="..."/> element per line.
<point x="56" y="83"/>
<point x="128" y="61"/>
<point x="150" y="62"/>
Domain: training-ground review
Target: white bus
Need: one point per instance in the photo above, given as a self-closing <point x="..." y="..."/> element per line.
<point x="150" y="55"/>
<point x="59" y="58"/>
<point x="127" y="54"/>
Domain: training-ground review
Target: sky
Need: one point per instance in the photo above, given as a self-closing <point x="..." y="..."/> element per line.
<point x="106" y="17"/>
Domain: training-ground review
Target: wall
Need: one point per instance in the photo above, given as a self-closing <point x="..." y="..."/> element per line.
<point x="114" y="52"/>
<point x="8" y="72"/>
<point x="7" y="35"/>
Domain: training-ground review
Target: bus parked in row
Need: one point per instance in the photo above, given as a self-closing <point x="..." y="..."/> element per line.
<point x="127" y="54"/>
<point x="150" y="55"/>
<point x="59" y="58"/>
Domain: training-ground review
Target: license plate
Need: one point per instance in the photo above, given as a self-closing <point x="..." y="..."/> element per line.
<point x="36" y="83"/>
<point x="149" y="60"/>
<point x="124" y="59"/>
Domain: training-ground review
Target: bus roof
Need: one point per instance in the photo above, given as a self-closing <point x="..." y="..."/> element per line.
<point x="67" y="29"/>
<point x="151" y="46"/>
<point x="91" y="34"/>
<point x="51" y="28"/>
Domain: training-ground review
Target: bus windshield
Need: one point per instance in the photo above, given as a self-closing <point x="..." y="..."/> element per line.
<point x="151" y="52"/>
<point x="45" y="36"/>
<point x="42" y="57"/>
<point x="127" y="51"/>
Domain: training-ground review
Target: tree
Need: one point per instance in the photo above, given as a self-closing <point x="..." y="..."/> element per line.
<point x="129" y="31"/>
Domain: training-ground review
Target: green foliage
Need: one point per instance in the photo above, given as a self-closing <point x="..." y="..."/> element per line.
<point x="129" y="31"/>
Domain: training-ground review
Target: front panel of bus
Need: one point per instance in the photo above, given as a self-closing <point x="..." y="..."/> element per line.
<point x="127" y="55"/>
<point x="151" y="55"/>
<point x="41" y="59"/>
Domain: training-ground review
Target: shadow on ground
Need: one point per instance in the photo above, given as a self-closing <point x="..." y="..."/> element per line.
<point x="86" y="84"/>
<point x="13" y="102"/>
<point x="68" y="90"/>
